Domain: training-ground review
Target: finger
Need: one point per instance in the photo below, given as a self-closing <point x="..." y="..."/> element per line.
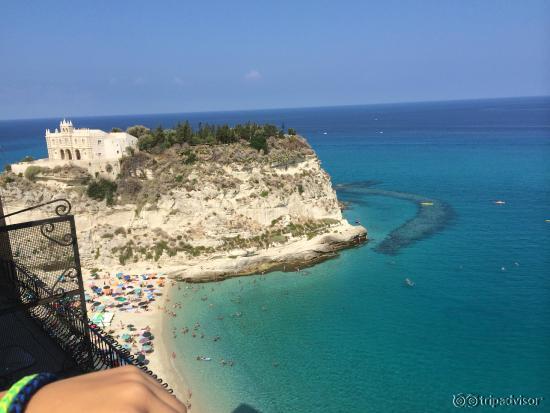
<point x="163" y="394"/>
<point x="156" y="405"/>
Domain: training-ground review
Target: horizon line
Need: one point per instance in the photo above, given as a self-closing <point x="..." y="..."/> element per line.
<point x="278" y="108"/>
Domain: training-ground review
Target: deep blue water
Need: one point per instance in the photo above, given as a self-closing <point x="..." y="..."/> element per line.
<point x="347" y="335"/>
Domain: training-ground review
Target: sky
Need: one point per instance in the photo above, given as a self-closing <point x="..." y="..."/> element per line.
<point x="77" y="58"/>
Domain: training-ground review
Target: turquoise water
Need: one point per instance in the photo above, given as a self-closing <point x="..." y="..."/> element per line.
<point x="347" y="335"/>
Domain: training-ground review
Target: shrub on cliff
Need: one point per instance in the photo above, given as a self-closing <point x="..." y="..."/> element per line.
<point x="102" y="189"/>
<point x="158" y="140"/>
<point x="189" y="157"/>
<point x="259" y="142"/>
<point x="146" y="142"/>
<point x="32" y="171"/>
<point x="138" y="131"/>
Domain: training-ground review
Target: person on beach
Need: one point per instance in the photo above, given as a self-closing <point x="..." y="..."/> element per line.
<point x="122" y="389"/>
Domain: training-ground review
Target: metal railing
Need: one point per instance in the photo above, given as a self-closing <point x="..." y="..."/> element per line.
<point x="42" y="281"/>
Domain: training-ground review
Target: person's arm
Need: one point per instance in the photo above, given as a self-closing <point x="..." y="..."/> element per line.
<point x="124" y="389"/>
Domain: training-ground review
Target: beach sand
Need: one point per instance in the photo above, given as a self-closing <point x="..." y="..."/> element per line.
<point x="155" y="317"/>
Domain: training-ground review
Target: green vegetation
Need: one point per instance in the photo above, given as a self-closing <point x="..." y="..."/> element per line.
<point x="259" y="142"/>
<point x="162" y="246"/>
<point x="27" y="159"/>
<point x="32" y="171"/>
<point x="264" y="194"/>
<point x="189" y="156"/>
<point x="116" y="130"/>
<point x="7" y="167"/>
<point x="6" y="179"/>
<point x="101" y="189"/>
<point x="291" y="131"/>
<point x="126" y="253"/>
<point x="160" y="139"/>
<point x="120" y="231"/>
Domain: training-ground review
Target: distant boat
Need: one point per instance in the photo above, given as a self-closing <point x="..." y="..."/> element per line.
<point x="426" y="203"/>
<point x="202" y="358"/>
<point x="324" y="133"/>
<point x="499" y="202"/>
<point x="409" y="282"/>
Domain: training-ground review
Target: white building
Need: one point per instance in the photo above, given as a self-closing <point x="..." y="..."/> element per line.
<point x="68" y="143"/>
<point x="96" y="151"/>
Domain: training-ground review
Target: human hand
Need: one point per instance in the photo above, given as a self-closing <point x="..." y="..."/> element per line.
<point x="122" y="390"/>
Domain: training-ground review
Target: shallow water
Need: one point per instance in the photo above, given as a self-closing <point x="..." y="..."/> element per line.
<point x="347" y="335"/>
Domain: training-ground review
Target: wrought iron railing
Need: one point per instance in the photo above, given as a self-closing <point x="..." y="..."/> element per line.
<point x="41" y="262"/>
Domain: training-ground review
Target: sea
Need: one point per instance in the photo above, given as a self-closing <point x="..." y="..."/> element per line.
<point x="470" y="329"/>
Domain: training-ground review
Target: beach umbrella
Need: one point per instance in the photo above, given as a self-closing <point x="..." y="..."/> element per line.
<point x="141" y="358"/>
<point x="147" y="348"/>
<point x="125" y="336"/>
<point x="144" y="340"/>
<point x="121" y="299"/>
<point x="146" y="334"/>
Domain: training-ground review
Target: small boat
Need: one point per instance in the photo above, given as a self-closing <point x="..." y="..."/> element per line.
<point x="324" y="133"/>
<point x="202" y="358"/>
<point x="409" y="282"/>
<point x="427" y="203"/>
<point x="499" y="202"/>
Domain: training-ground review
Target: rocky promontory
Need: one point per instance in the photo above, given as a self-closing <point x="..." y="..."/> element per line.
<point x="201" y="211"/>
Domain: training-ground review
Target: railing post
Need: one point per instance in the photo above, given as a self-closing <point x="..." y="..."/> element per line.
<point x="7" y="271"/>
<point x="83" y="311"/>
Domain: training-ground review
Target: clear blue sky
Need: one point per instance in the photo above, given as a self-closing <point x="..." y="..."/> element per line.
<point x="120" y="57"/>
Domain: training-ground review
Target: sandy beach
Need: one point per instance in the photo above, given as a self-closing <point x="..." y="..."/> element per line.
<point x="153" y="318"/>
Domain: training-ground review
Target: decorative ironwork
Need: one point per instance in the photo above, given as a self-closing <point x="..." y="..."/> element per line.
<point x="48" y="228"/>
<point x="42" y="264"/>
<point x="109" y="353"/>
<point x="70" y="273"/>
<point x="60" y="210"/>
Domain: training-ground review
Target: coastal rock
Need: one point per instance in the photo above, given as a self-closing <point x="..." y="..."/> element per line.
<point x="208" y="221"/>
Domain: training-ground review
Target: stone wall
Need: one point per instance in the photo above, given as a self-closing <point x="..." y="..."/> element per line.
<point x="96" y="168"/>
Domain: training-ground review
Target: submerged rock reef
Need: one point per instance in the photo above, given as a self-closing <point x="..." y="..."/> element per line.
<point x="432" y="216"/>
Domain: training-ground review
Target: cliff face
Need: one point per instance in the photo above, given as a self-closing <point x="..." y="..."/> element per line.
<point x="206" y="214"/>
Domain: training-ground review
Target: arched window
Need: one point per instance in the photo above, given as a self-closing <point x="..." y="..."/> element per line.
<point x="69" y="154"/>
<point x="62" y="152"/>
<point x="77" y="154"/>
